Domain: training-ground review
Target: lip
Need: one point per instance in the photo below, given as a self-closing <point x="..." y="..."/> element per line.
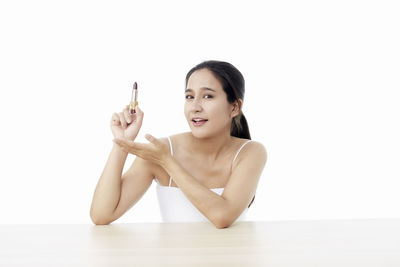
<point x="199" y="123"/>
<point x="199" y="118"/>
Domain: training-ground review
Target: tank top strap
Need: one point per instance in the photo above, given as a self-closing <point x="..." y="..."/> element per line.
<point x="172" y="153"/>
<point x="170" y="146"/>
<point x="237" y="153"/>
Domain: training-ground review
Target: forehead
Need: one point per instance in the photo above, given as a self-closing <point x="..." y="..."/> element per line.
<point x="203" y="78"/>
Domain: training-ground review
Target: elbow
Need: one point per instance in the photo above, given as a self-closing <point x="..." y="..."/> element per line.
<point x="100" y="222"/>
<point x="221" y="226"/>
<point x="98" y="219"/>
<point x="222" y="221"/>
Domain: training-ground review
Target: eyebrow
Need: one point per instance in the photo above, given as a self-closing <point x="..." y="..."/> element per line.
<point x="202" y="88"/>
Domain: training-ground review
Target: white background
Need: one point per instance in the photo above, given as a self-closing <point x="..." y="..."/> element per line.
<point x="322" y="83"/>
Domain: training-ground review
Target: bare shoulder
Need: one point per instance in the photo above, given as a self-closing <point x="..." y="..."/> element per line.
<point x="175" y="139"/>
<point x="164" y="140"/>
<point x="257" y="148"/>
<point x="180" y="137"/>
<point x="251" y="146"/>
<point x="253" y="151"/>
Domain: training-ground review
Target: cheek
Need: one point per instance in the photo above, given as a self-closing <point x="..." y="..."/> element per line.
<point x="220" y="113"/>
<point x="185" y="109"/>
<point x="187" y="112"/>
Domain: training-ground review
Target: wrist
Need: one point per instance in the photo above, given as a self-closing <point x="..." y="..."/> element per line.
<point x="117" y="149"/>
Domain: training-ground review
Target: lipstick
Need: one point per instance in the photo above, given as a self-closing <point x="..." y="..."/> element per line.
<point x="133" y="105"/>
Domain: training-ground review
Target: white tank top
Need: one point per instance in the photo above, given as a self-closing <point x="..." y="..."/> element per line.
<point x="176" y="207"/>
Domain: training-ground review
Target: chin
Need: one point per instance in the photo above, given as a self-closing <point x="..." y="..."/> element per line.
<point x="200" y="134"/>
<point x="206" y="131"/>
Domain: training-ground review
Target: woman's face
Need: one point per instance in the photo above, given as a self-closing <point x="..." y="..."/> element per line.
<point x="207" y="109"/>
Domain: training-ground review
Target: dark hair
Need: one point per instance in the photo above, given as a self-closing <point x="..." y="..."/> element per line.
<point x="233" y="84"/>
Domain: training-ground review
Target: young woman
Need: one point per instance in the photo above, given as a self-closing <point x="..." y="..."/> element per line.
<point x="210" y="173"/>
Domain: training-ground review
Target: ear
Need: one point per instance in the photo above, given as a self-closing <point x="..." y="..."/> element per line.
<point x="236" y="107"/>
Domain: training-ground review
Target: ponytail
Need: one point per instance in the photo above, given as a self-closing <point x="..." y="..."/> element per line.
<point x="239" y="127"/>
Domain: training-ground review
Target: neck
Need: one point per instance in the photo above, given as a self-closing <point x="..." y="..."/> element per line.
<point x="211" y="147"/>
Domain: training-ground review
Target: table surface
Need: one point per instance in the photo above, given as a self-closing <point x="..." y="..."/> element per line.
<point x="360" y="242"/>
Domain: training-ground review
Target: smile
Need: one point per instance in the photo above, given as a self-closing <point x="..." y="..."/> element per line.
<point x="199" y="121"/>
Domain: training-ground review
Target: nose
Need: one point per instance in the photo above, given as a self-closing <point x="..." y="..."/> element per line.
<point x="196" y="105"/>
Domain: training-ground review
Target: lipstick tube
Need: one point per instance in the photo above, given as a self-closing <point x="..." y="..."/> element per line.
<point x="133" y="104"/>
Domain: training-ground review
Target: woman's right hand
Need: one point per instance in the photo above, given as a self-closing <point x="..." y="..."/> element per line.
<point x="126" y="126"/>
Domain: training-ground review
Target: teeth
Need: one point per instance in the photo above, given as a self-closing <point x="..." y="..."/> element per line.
<point x="197" y="120"/>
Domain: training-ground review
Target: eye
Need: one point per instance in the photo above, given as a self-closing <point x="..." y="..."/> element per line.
<point x="208" y="96"/>
<point x="188" y="97"/>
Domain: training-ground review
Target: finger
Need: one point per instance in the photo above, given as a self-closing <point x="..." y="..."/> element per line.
<point x="126" y="146"/>
<point x="128" y="117"/>
<point x="139" y="112"/>
<point x="152" y="139"/>
<point x="120" y="142"/>
<point x="130" y="146"/>
<point x="115" y="119"/>
<point x="122" y="147"/>
<point x="122" y="119"/>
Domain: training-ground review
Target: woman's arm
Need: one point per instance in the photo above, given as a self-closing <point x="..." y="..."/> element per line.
<point x="114" y="194"/>
<point x="108" y="189"/>
<point x="223" y="210"/>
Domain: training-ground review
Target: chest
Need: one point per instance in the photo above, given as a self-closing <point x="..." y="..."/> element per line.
<point x="212" y="174"/>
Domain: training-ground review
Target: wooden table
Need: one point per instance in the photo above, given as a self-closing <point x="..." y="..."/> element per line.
<point x="362" y="242"/>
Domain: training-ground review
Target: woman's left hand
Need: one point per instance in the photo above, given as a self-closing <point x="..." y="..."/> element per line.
<point x="156" y="151"/>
